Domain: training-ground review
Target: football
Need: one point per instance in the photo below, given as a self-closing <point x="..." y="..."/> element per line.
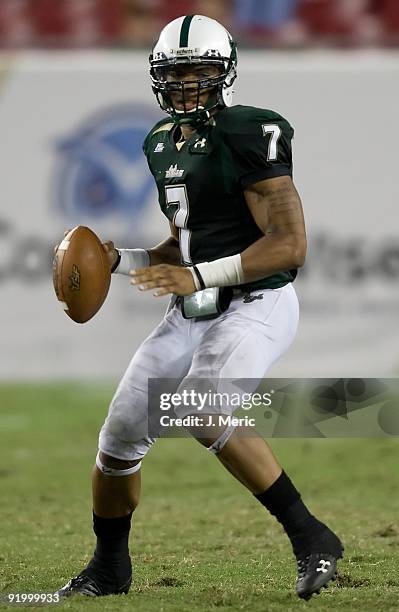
<point x="81" y="274"/>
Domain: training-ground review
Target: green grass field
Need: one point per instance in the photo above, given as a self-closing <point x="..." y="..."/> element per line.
<point x="200" y="541"/>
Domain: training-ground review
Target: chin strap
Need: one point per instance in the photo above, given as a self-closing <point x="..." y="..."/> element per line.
<point x="200" y="118"/>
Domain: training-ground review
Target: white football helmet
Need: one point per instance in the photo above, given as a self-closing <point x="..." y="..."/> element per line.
<point x="194" y="39"/>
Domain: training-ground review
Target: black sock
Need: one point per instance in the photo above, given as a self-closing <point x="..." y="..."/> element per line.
<point x="284" y="501"/>
<point x="111" y="561"/>
<point x="112" y="536"/>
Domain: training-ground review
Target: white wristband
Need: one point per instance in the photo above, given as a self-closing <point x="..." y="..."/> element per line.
<point x="222" y="272"/>
<point x="132" y="259"/>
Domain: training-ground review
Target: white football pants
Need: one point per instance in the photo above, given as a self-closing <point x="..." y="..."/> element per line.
<point x="242" y="342"/>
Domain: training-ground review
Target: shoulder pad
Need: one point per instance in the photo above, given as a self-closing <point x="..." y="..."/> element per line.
<point x="259" y="142"/>
<point x="242" y="119"/>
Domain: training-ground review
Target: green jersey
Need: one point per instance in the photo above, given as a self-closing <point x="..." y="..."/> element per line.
<point x="201" y="184"/>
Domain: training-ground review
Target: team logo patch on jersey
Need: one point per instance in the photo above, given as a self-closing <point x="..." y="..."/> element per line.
<point x="159" y="148"/>
<point x="174" y="172"/>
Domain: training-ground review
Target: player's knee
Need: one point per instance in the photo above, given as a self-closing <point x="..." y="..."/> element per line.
<point x="124" y="437"/>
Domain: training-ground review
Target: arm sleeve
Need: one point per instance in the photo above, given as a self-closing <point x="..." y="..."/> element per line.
<point x="260" y="144"/>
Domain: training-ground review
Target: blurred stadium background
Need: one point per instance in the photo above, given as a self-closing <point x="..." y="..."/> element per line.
<point x="134" y="23"/>
<point x="75" y="104"/>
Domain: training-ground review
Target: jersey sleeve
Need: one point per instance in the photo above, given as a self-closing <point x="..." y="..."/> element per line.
<point x="147" y="148"/>
<point x="260" y="145"/>
<point x="160" y="128"/>
<point x="146" y="143"/>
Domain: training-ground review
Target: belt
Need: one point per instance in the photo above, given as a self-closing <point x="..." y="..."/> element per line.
<point x="236" y="291"/>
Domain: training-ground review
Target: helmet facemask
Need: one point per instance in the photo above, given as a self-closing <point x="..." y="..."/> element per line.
<point x="182" y="98"/>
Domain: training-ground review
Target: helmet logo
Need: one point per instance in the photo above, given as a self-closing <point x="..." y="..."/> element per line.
<point x="185" y="51"/>
<point x="212" y="53"/>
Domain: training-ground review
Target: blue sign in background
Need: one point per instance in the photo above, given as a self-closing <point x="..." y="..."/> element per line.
<point x="101" y="169"/>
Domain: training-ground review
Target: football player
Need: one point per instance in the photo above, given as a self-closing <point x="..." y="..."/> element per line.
<point x="237" y="238"/>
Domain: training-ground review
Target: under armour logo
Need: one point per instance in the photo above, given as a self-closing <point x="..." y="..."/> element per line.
<point x="200" y="143"/>
<point x="213" y="53"/>
<point x="248" y="298"/>
<point x="323" y="566"/>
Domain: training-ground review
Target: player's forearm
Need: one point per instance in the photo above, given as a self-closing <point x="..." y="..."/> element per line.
<point x="272" y="254"/>
<point x="126" y="260"/>
<point x="263" y="258"/>
<point x="167" y="252"/>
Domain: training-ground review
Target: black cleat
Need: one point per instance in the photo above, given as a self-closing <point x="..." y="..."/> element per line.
<point x="86" y="585"/>
<point x="315" y="571"/>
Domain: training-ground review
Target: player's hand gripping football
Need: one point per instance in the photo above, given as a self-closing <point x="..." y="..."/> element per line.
<point x="112" y="253"/>
<point x="165" y="279"/>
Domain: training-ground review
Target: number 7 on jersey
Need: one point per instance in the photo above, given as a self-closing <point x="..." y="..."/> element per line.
<point x="177" y="195"/>
<point x="275" y="133"/>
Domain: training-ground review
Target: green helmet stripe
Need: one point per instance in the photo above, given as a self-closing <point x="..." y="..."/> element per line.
<point x="185" y="28"/>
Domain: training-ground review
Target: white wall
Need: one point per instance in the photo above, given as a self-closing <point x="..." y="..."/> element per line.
<point x="64" y="119"/>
